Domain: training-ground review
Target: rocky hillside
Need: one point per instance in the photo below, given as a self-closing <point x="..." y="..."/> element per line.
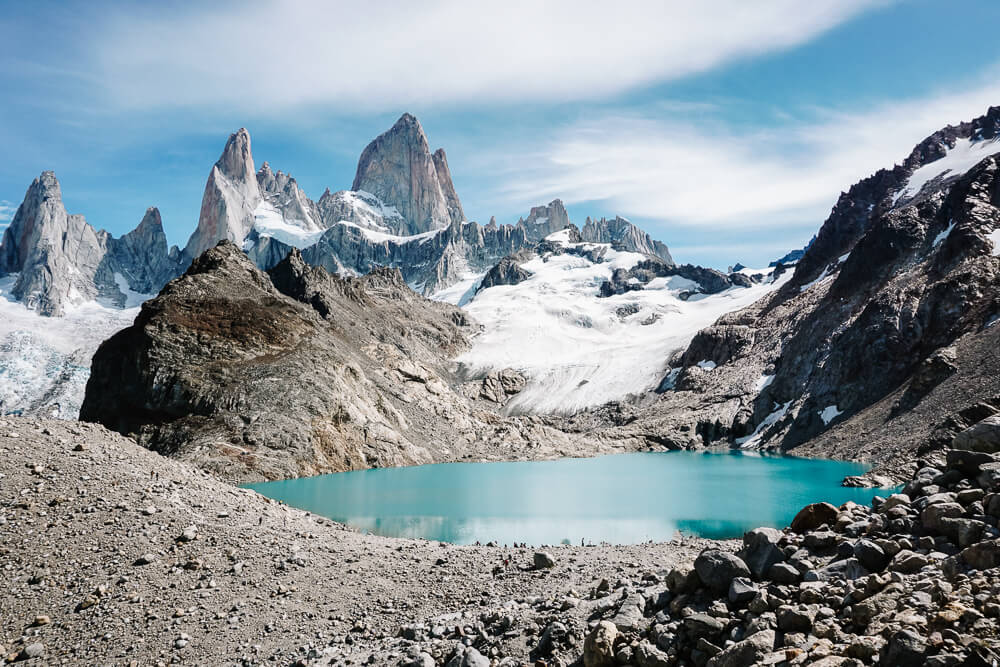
<point x="294" y="372"/>
<point x="161" y="562"/>
<point x="112" y="554"/>
<point x="883" y="337"/>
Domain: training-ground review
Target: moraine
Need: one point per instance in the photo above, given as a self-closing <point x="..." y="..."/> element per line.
<point x="622" y="499"/>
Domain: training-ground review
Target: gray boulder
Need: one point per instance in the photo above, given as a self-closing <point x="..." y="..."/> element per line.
<point x="717" y="569"/>
<point x="760" y="550"/>
<point x="983" y="436"/>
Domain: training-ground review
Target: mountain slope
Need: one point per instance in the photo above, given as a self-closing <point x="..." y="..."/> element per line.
<point x="297" y="372"/>
<point x="582" y="334"/>
<point x="904" y="267"/>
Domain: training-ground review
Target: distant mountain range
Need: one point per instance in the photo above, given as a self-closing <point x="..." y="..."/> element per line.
<point x="877" y="336"/>
<point x="402" y="212"/>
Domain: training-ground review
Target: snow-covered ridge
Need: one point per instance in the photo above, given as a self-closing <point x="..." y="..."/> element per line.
<point x="965" y="155"/>
<point x="581" y="350"/>
<point x="268" y="221"/>
<point x="382" y="237"/>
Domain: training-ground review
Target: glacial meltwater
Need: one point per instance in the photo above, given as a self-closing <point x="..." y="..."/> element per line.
<point x="621" y="499"/>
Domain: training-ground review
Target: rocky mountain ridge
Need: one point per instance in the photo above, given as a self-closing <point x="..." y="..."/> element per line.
<point x="60" y="260"/>
<point x="293" y="372"/>
<point x="881" y="338"/>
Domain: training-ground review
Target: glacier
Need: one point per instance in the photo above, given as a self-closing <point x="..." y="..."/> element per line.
<point x="580" y="350"/>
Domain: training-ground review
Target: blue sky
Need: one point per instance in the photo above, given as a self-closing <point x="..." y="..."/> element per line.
<point x="727" y="129"/>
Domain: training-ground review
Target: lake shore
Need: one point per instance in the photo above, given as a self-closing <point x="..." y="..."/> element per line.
<point x="112" y="554"/>
<point x="259" y="581"/>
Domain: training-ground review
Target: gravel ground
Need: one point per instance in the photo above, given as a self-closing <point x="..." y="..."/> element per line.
<point x="113" y="555"/>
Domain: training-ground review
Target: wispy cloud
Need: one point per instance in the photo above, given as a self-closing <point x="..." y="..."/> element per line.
<point x="274" y="55"/>
<point x="711" y="175"/>
<point x="7" y="211"/>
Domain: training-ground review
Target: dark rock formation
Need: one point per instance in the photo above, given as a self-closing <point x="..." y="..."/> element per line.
<point x="847" y="358"/>
<point x="293" y="372"/>
<point x="505" y="272"/>
<point x="709" y="281"/>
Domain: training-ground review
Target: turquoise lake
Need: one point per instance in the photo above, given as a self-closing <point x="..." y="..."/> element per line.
<point x="621" y="499"/>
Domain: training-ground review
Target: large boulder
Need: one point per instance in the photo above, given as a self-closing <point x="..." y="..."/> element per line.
<point x="760" y="550"/>
<point x="599" y="646"/>
<point x="750" y="651"/>
<point x="813" y="516"/>
<point x="981" y="437"/>
<point x="717" y="569"/>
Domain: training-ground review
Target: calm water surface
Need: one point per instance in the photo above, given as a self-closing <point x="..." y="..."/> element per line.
<point x="623" y="498"/>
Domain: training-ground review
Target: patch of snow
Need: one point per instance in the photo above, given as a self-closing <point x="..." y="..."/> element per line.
<point x="829" y="413"/>
<point x="843" y="258"/>
<point x="461" y="292"/>
<point x="994" y="238"/>
<point x="758" y="433"/>
<point x="822" y="276"/>
<point x="268" y="221"/>
<point x="706" y="364"/>
<point x="45" y="361"/>
<point x="373" y="203"/>
<point x="561" y="237"/>
<point x="133" y="299"/>
<point x="381" y="237"/>
<point x="542" y="221"/>
<point x="944" y="234"/>
<point x="571" y="343"/>
<point x="763" y="381"/>
<point x="964" y="156"/>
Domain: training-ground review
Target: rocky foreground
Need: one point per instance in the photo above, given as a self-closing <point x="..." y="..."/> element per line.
<point x="112" y="554"/>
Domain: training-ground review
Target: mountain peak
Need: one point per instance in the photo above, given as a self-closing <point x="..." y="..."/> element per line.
<point x="407" y="120"/>
<point x="236" y="161"/>
<point x="399" y="169"/>
<point x="231" y="196"/>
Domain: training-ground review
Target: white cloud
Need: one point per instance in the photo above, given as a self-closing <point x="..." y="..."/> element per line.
<point x="7" y="211"/>
<point x="711" y="175"/>
<point x="269" y="56"/>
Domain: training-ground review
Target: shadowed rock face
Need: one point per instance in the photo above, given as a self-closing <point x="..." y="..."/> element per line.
<point x="61" y="259"/>
<point x="398" y="168"/>
<point x="224" y="367"/>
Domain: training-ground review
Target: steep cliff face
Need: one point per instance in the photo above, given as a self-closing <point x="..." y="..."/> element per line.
<point x="398" y="168"/>
<point x="295" y="372"/>
<point x="859" y="341"/>
<point x="142" y="258"/>
<point x="231" y="198"/>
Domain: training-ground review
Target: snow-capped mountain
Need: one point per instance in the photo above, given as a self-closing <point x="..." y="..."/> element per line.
<point x="402" y="212"/>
